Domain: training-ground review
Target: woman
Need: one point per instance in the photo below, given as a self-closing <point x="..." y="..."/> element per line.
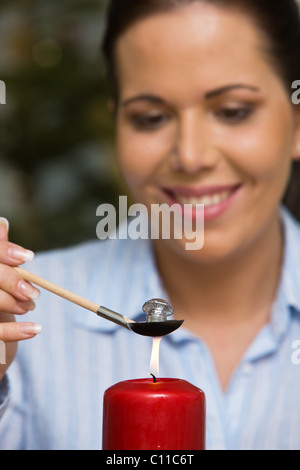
<point x="203" y="112"/>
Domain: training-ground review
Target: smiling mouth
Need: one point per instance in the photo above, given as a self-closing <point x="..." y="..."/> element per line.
<point x="209" y="197"/>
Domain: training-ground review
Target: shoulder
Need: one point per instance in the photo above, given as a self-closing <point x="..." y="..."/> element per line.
<point x="291" y="261"/>
<point x="291" y="227"/>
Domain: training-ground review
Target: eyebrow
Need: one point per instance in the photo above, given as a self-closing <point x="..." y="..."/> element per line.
<point x="209" y="95"/>
<point x="226" y="88"/>
<point x="151" y="98"/>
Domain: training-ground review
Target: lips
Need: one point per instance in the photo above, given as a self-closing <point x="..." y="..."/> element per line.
<point x="215" y="199"/>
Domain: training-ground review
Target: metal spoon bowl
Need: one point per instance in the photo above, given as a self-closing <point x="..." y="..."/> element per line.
<point x="155" y="329"/>
<point x="157" y="312"/>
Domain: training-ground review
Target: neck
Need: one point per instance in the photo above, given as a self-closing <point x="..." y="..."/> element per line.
<point x="229" y="290"/>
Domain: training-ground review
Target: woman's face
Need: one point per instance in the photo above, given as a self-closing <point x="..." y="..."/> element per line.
<point x="203" y="118"/>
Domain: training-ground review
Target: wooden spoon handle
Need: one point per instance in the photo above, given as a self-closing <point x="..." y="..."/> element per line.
<point x="76" y="299"/>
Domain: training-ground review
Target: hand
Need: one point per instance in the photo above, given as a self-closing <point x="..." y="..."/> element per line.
<point x="16" y="298"/>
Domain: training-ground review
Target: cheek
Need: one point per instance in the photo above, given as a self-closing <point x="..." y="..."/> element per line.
<point x="264" y="155"/>
<point x="139" y="156"/>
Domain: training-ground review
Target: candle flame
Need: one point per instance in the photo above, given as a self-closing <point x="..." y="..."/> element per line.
<point x="154" y="361"/>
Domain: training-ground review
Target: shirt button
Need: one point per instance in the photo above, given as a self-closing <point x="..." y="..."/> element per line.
<point x="247" y="369"/>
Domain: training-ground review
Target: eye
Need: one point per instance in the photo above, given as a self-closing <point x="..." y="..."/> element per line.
<point x="149" y="121"/>
<point x="234" y="115"/>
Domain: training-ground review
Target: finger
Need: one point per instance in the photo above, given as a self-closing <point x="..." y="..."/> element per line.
<point x="13" y="254"/>
<point x="10" y="253"/>
<point x="9" y="303"/>
<point x="18" y="331"/>
<point x="4" y="227"/>
<point x="12" y="283"/>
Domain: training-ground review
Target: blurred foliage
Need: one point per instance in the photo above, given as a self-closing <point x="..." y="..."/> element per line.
<point x="56" y="133"/>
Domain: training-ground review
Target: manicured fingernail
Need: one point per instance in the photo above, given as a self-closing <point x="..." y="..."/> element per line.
<point x="26" y="306"/>
<point x="28" y="290"/>
<point x="31" y="329"/>
<point x="20" y="254"/>
<point x="4" y="222"/>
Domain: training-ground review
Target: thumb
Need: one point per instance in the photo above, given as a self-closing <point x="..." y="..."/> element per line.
<point x="4" y="227"/>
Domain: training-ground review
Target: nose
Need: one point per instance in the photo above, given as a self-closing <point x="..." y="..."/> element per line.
<point x="194" y="147"/>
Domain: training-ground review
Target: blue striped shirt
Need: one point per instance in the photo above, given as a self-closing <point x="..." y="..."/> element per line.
<point x="51" y="397"/>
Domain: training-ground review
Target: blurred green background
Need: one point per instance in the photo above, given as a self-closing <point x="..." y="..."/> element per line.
<point x="56" y="133"/>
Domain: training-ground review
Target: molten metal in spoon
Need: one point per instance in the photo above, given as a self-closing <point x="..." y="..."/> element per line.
<point x="157" y="324"/>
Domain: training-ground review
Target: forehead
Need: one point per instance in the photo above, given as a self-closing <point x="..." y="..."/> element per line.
<point x="197" y="40"/>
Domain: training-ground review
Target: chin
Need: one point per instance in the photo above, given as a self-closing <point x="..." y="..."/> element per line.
<point x="209" y="254"/>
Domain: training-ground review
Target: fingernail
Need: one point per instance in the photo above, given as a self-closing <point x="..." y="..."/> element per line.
<point x="20" y="254"/>
<point x="27" y="305"/>
<point x="28" y="290"/>
<point x="4" y="222"/>
<point x="31" y="329"/>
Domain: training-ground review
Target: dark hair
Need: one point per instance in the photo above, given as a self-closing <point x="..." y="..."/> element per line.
<point x="278" y="21"/>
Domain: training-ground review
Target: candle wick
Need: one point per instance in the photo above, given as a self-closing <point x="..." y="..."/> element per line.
<point x="154" y="378"/>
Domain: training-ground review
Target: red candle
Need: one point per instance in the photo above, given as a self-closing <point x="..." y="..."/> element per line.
<point x="150" y="414"/>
